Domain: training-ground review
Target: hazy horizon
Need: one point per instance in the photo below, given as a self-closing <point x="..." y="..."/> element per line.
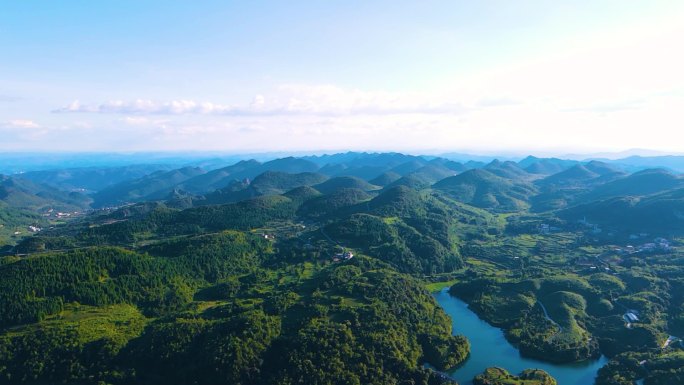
<point x="613" y="155"/>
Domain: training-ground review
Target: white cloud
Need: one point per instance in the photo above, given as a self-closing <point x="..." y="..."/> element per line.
<point x="293" y="99"/>
<point x="21" y="124"/>
<point x="145" y="107"/>
<point x="143" y="121"/>
<point x="258" y="101"/>
<point x="135" y="120"/>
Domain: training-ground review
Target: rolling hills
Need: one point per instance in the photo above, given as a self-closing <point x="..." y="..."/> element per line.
<point x="484" y="189"/>
<point x="315" y="269"/>
<point x="150" y="187"/>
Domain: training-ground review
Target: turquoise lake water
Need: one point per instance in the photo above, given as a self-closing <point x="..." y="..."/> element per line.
<point x="488" y="347"/>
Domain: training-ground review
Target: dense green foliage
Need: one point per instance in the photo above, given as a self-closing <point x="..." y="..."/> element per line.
<point x="246" y="284"/>
<point x="198" y="310"/>
<point x="485" y="189"/>
<point x="654" y="368"/>
<point x="34" y="288"/>
<point x="499" y="376"/>
<point x="411" y="232"/>
<point x="164" y="222"/>
<point x="332" y="204"/>
<point x="344" y="182"/>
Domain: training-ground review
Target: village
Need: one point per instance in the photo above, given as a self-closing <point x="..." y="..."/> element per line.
<point x="658" y="245"/>
<point x="295" y="231"/>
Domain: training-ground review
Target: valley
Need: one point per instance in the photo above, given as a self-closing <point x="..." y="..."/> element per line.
<point x="327" y="261"/>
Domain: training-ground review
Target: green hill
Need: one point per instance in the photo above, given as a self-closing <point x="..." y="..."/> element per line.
<point x="162" y="221"/>
<point x="340" y="182"/>
<point x="566" y="188"/>
<point x="221" y="178"/>
<point x="483" y="189"/>
<point x="302" y="194"/>
<point x="409" y="230"/>
<point x="412" y="181"/>
<point x="158" y="185"/>
<point x="641" y="183"/>
<point x="545" y="166"/>
<point x="153" y="186"/>
<point x="275" y="182"/>
<point x="332" y="203"/>
<point x="385" y="178"/>
<point x="24" y="194"/>
<point x="233" y="192"/>
<point x="13" y="220"/>
<point x="433" y="173"/>
<point x="364" y="165"/>
<point x="91" y="178"/>
<point x="661" y="213"/>
<point x="423" y="177"/>
<point x="450" y="164"/>
<point x="574" y="176"/>
<point x="499" y="376"/>
<point x="267" y="183"/>
<point x="555" y="199"/>
<point x="561" y="164"/>
<point x="602" y="168"/>
<point x="398" y="243"/>
<point x="410" y="166"/>
<point x="508" y="170"/>
<point x="290" y="165"/>
<point x="397" y="201"/>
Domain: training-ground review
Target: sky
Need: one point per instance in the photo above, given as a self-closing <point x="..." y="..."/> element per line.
<point x="543" y="77"/>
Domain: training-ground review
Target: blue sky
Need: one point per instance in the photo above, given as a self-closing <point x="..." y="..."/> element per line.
<point x="482" y="76"/>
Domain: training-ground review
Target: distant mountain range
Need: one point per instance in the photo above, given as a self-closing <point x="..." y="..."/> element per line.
<point x="25" y="194"/>
<point x="589" y="187"/>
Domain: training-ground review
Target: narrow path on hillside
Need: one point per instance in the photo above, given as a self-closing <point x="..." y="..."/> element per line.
<point x="327" y="236"/>
<point x="546" y="315"/>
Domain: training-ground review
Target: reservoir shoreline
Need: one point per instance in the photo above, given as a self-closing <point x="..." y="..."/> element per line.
<point x="490" y="348"/>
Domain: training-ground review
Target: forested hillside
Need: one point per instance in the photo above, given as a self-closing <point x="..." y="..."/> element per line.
<point x="307" y="274"/>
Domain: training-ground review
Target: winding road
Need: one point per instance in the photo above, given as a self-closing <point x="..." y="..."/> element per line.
<point x="546" y="315"/>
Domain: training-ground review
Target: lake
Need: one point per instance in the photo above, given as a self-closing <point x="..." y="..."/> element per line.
<point x="489" y="347"/>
